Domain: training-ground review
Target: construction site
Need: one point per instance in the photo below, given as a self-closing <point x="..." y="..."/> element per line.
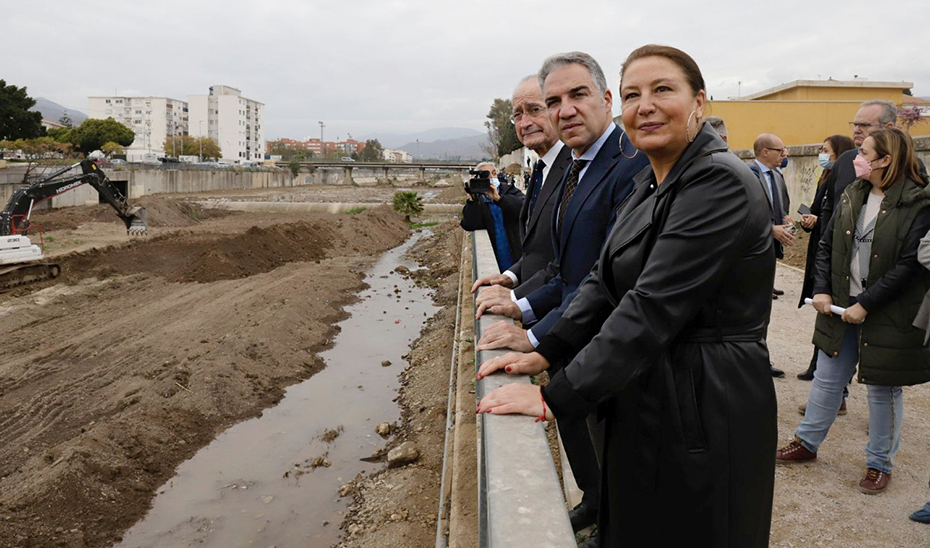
<point x="242" y="376"/>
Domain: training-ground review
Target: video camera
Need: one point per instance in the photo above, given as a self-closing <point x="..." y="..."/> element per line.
<point x="479" y="183"/>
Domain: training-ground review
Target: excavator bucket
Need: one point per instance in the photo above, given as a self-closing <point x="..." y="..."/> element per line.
<point x="137" y="222"/>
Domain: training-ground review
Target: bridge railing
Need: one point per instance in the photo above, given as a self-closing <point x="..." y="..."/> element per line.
<point x="520" y="502"/>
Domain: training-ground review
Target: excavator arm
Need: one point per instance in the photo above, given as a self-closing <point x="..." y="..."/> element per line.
<point x="14" y="219"/>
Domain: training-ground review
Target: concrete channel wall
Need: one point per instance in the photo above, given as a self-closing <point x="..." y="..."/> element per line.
<point x="520" y="502"/>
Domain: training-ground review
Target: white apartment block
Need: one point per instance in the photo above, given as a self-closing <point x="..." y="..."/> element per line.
<point x="153" y="119"/>
<point x="399" y="156"/>
<point x="237" y="124"/>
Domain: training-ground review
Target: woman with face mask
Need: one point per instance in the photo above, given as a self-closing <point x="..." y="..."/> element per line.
<point x="831" y="149"/>
<point x="867" y="263"/>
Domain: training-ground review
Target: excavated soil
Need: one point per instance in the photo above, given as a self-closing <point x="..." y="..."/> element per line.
<point x="142" y="352"/>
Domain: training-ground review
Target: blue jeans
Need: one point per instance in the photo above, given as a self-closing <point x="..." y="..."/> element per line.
<point x="886" y="405"/>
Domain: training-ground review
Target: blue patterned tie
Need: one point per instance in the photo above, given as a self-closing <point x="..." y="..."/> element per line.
<point x="536" y="182"/>
<point x="570" y="184"/>
<point x="776" y="202"/>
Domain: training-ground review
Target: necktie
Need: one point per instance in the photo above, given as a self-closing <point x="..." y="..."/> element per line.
<point x="570" y="184"/>
<point x="536" y="182"/>
<point x="776" y="202"/>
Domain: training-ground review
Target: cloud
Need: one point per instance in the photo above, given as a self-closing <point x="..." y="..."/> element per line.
<point x="404" y="66"/>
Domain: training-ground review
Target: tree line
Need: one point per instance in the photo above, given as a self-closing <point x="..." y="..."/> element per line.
<point x="21" y="129"/>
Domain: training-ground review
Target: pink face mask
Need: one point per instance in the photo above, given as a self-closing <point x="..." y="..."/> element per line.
<point x="863" y="167"/>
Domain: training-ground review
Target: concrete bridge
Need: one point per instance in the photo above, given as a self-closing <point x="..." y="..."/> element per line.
<point x="385" y="168"/>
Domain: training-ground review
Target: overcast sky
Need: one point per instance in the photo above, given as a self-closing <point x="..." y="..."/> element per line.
<point x="404" y="66"/>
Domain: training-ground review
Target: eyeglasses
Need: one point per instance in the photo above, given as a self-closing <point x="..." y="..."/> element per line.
<point x="862" y="125"/>
<point x="778" y="150"/>
<point x="533" y="111"/>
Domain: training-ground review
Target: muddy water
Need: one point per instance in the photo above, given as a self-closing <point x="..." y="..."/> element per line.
<point x="256" y="485"/>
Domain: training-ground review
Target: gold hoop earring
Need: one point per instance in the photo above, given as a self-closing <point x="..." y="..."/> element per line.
<point x="622" y="133"/>
<point x="688" y="128"/>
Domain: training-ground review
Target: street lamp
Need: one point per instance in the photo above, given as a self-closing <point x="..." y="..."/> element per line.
<point x="201" y="140"/>
<point x="322" y="151"/>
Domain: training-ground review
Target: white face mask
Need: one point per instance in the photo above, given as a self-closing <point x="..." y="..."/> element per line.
<point x="824" y="160"/>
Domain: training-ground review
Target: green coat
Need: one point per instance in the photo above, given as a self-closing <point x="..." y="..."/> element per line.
<point x="891" y="349"/>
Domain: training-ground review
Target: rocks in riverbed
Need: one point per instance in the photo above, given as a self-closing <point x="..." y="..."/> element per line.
<point x="403" y="454"/>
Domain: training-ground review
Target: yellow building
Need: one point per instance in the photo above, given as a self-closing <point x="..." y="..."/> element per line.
<point x="805" y="112"/>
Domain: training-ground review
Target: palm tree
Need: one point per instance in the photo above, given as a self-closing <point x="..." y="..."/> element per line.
<point x="408" y="202"/>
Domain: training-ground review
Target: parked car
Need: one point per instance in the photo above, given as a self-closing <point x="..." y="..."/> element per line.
<point x="347" y="159"/>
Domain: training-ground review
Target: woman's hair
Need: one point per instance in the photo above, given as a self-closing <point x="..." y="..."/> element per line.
<point x="675" y="55"/>
<point x="839" y="144"/>
<point x="897" y="145"/>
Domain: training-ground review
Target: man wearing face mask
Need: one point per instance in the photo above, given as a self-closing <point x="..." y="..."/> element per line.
<point x="497" y="211"/>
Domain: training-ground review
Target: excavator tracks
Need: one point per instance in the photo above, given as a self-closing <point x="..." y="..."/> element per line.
<point x="16" y="275"/>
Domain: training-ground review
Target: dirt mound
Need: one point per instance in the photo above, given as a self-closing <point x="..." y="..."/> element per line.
<point x="162" y="212"/>
<point x="259" y="250"/>
<point x="107" y="385"/>
<point x="188" y="257"/>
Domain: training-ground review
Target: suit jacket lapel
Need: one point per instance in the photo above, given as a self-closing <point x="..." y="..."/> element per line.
<point x="551" y="184"/>
<point x="591" y="179"/>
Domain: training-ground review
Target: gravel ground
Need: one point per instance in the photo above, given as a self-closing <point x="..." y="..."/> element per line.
<point x="819" y="504"/>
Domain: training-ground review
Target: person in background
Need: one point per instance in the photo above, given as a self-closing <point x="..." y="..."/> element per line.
<point x="771" y="153"/>
<point x="534" y="131"/>
<point x="497" y="211"/>
<point x="867" y="264"/>
<point x="664" y="338"/>
<point x="719" y="126"/>
<point x="833" y="146"/>
<point x="871" y="116"/>
<point x="922" y="321"/>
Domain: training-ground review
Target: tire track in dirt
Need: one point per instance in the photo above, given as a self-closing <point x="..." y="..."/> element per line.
<point x="106" y="387"/>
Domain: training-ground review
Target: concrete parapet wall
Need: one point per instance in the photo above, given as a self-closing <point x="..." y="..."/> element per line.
<point x="519" y="499"/>
<point x="142" y="182"/>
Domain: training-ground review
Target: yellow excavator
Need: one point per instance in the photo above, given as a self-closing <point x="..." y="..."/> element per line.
<point x="20" y="258"/>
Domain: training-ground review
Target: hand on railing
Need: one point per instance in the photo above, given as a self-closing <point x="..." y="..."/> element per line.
<point x="522" y="399"/>
<point x="505" y="334"/>
<point x="515" y="363"/>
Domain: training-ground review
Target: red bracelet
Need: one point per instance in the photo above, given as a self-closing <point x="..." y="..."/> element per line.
<point x="543" y="416"/>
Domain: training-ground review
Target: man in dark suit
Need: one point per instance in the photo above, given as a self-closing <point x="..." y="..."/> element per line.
<point x="535" y="131"/>
<point x="872" y="115"/>
<point x="497" y="211"/>
<point x="770" y="152"/>
<point x="604" y="163"/>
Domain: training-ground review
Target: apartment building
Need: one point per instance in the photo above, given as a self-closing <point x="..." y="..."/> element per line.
<point x="398" y="156"/>
<point x="153" y="119"/>
<point x="233" y="121"/>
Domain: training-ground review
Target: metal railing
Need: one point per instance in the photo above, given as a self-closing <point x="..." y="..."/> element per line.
<point x="520" y="502"/>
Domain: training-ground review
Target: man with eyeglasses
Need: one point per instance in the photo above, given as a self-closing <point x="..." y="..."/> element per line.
<point x="600" y="176"/>
<point x="770" y="154"/>
<point x="534" y="130"/>
<point x="872" y="115"/>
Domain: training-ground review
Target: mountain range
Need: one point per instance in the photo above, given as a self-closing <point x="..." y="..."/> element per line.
<point x="449" y="143"/>
<point x="53" y="111"/>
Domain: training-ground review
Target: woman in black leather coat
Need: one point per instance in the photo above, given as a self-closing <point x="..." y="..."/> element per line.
<point x="664" y="339"/>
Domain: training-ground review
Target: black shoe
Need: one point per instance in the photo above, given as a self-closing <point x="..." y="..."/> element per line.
<point x="806" y="375"/>
<point x="592" y="541"/>
<point x="777" y="373"/>
<point x="582" y="516"/>
<point x="778" y="292"/>
<point x="774" y="297"/>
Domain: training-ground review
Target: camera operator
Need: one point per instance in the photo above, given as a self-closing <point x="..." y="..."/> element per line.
<point x="494" y="206"/>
